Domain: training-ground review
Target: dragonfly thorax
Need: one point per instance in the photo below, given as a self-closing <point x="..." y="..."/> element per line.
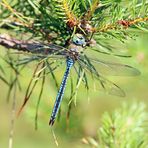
<point x="76" y="47"/>
<point x="73" y="53"/>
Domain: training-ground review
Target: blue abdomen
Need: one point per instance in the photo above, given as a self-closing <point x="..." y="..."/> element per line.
<point x="61" y="91"/>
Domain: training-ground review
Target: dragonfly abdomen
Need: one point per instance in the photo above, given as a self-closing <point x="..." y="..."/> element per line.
<point x="61" y="91"/>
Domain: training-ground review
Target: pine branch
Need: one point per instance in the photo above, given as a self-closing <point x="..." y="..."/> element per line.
<point x="90" y="12"/>
<point x="124" y="127"/>
<point x="119" y="24"/>
<point x="65" y="12"/>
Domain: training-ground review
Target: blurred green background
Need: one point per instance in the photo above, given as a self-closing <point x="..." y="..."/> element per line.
<point x="85" y="116"/>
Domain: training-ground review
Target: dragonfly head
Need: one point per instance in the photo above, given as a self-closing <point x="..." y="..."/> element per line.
<point x="79" y="40"/>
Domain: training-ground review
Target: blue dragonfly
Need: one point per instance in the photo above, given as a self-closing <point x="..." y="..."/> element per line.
<point x="78" y="42"/>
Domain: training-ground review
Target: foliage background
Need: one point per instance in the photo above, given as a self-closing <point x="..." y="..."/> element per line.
<point x="85" y="118"/>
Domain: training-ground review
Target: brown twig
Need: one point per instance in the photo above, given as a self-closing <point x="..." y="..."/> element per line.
<point x="124" y="23"/>
<point x="27" y="46"/>
<point x="138" y="20"/>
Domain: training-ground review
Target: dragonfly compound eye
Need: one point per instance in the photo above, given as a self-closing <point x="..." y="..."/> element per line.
<point x="78" y="39"/>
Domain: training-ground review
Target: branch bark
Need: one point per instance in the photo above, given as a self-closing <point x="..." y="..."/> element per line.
<point x="28" y="46"/>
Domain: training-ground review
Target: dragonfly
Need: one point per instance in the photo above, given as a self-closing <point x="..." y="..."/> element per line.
<point x="83" y="64"/>
<point x="75" y="54"/>
<point x="78" y="43"/>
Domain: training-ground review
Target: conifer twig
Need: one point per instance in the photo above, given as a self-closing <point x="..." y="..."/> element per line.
<point x="26" y="46"/>
<point x="125" y="23"/>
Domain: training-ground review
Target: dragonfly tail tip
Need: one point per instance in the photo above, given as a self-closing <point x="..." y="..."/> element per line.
<point x="51" y="122"/>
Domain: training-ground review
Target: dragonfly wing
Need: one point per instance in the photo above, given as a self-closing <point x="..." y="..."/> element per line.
<point x="102" y="82"/>
<point x="110" y="68"/>
<point x="110" y="87"/>
<point x="46" y="49"/>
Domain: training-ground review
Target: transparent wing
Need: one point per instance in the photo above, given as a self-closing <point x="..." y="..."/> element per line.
<point x="40" y="51"/>
<point x="101" y="83"/>
<point x="109" y="87"/>
<point x="47" y="49"/>
<point x="109" y="68"/>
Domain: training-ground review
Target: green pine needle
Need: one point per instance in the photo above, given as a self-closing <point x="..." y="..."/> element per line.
<point x="125" y="128"/>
